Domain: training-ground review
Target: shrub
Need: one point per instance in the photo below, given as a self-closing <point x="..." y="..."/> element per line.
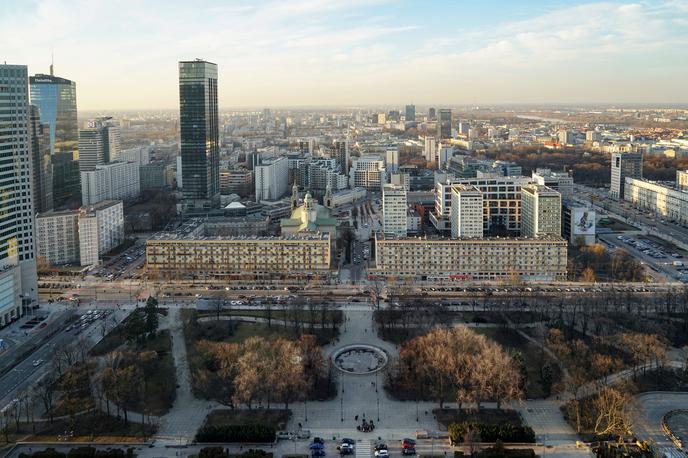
<point x="507" y="453"/>
<point x="236" y="433"/>
<point x="212" y="452"/>
<point x="505" y="432"/>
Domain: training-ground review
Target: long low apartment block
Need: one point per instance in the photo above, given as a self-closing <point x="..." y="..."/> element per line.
<point x="523" y="259"/>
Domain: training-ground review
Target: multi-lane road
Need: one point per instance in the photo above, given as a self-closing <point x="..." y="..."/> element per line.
<point x="30" y="370"/>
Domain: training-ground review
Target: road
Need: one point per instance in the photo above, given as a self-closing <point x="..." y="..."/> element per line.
<point x="26" y="373"/>
<point x="646" y="221"/>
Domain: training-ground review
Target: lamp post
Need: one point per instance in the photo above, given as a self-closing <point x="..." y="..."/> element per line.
<point x="341" y="400"/>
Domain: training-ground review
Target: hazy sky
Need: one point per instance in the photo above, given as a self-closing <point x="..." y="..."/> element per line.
<point x="124" y="53"/>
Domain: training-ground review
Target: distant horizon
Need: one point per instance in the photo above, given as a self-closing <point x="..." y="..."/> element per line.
<point x="400" y="106"/>
<point x="327" y="53"/>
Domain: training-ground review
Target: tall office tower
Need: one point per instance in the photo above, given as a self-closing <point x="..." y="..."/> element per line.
<point x="624" y="165"/>
<point x="410" y="113"/>
<point x="432" y="114"/>
<point x="394" y="210"/>
<point x="682" y="180"/>
<point x="199" y="134"/>
<point x="99" y="144"/>
<point x="42" y="165"/>
<point x="464" y="128"/>
<point x="430" y="149"/>
<point x="444" y="124"/>
<point x="341" y="154"/>
<point x="540" y="211"/>
<point x="392" y="160"/>
<point x="466" y="217"/>
<point x="56" y="100"/>
<point x="18" y="279"/>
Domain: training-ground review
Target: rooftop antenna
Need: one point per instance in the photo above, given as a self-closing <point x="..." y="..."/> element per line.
<point x="52" y="61"/>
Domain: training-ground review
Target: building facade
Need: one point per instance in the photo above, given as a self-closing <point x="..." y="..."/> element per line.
<point x="624" y="165"/>
<point x="542" y="259"/>
<point x="394" y="210"/>
<point x="295" y="256"/>
<point x="444" y="124"/>
<point x="113" y="181"/>
<point x="559" y="181"/>
<point x="55" y="98"/>
<point x="18" y="278"/>
<point x="665" y="201"/>
<point x="57" y="237"/>
<point x="466" y="212"/>
<point x="271" y="179"/>
<point x="101" y="229"/>
<point x="98" y="144"/>
<point x="682" y="180"/>
<point x="198" y="122"/>
<point x="501" y="202"/>
<point x="42" y="164"/>
<point x="368" y="172"/>
<point x="540" y="211"/>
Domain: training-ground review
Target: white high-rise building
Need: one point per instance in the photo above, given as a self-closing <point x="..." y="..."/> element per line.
<point x="113" y="181"/>
<point x="101" y="228"/>
<point x="18" y="279"/>
<point x="624" y="165"/>
<point x="430" y="149"/>
<point x="368" y="172"/>
<point x="540" y="211"/>
<point x="271" y="178"/>
<point x="98" y="144"/>
<point x="394" y="210"/>
<point x="560" y="181"/>
<point x="466" y="211"/>
<point x="392" y="160"/>
<point x="57" y="237"/>
<point x="140" y="155"/>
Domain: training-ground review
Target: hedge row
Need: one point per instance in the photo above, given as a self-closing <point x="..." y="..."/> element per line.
<point x="219" y="452"/>
<point x="502" y="453"/>
<point x="80" y="452"/>
<point x="236" y="433"/>
<point x="505" y="432"/>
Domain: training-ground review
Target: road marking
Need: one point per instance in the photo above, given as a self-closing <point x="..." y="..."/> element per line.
<point x="363" y="449"/>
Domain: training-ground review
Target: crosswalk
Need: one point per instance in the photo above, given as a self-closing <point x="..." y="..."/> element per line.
<point x="364" y="449"/>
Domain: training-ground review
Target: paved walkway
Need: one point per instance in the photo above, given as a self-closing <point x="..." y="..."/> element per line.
<point x="188" y="413"/>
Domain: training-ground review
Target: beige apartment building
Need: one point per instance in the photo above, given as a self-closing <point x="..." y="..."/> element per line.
<point x="663" y="200"/>
<point x="294" y="256"/>
<point x="525" y="259"/>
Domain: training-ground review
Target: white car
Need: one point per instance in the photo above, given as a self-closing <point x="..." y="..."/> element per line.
<point x="382" y="453"/>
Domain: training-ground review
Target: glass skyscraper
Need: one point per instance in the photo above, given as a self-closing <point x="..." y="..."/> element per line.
<point x="55" y="98"/>
<point x="198" y="122"/>
<point x="42" y="163"/>
<point x="444" y="124"/>
<point x="18" y="279"/>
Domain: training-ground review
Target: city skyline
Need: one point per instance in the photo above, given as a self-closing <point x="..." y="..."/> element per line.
<point x="365" y="52"/>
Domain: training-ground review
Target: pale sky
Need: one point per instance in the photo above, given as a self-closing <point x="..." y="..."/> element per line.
<point x="123" y="54"/>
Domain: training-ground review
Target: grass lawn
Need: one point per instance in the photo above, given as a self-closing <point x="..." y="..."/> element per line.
<point x="276" y="418"/>
<point x="96" y="427"/>
<point x="305" y="316"/>
<point x="205" y="383"/>
<point x="487" y="416"/>
<point x="160" y="389"/>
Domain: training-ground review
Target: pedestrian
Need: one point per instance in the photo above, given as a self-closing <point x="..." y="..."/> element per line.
<point x="356" y="418"/>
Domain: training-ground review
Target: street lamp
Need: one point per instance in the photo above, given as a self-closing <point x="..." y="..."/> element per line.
<point x="341" y="399"/>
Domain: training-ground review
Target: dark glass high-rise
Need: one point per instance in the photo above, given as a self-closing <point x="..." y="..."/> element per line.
<point x="55" y="98"/>
<point x="198" y="122"/>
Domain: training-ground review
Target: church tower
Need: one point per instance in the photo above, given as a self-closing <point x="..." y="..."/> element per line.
<point x="294" y="197"/>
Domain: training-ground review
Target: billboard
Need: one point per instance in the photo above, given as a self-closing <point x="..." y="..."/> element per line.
<point x="582" y="221"/>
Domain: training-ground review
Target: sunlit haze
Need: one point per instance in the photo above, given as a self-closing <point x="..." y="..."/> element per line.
<point x="124" y="54"/>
